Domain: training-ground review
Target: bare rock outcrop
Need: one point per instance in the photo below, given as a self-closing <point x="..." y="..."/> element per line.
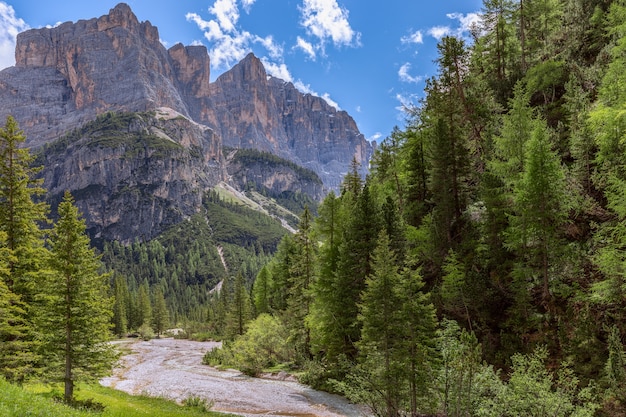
<point x="133" y="180"/>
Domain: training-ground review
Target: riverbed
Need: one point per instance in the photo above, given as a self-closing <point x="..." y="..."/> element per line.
<point x="173" y="369"/>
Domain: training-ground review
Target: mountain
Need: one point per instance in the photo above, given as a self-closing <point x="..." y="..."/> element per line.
<point x="136" y="132"/>
<point x="67" y="75"/>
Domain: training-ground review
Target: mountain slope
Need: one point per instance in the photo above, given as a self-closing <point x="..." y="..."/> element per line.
<point x="67" y="75"/>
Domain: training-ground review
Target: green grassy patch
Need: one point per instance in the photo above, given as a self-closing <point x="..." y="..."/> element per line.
<point x="36" y="401"/>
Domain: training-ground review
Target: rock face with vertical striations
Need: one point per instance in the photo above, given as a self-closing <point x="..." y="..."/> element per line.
<point x="71" y="74"/>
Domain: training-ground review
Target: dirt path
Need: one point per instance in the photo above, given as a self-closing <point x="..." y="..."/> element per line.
<point x="173" y="369"/>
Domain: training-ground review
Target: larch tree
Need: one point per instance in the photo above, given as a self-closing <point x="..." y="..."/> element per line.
<point x="74" y="309"/>
<point x="541" y="207"/>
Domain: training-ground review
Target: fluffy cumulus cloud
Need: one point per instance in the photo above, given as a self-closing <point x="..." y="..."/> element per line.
<point x="405" y="76"/>
<point x="326" y="21"/>
<point x="229" y="42"/>
<point x="10" y="26"/>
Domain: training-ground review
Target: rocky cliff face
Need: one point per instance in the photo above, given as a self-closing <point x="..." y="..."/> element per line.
<point x="67" y="76"/>
<point x="132" y="174"/>
<point x="251" y="110"/>
<point x="113" y="63"/>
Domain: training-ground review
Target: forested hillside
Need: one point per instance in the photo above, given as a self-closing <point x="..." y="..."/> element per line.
<point x="479" y="269"/>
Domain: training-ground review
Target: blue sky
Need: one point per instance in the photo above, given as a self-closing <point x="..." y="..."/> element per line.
<point x="366" y="57"/>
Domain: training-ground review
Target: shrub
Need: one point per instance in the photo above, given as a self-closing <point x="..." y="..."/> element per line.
<point x="263" y="345"/>
<point x="198" y="403"/>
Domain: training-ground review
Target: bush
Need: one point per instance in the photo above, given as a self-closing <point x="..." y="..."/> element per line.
<point x="263" y="345"/>
<point x="146" y="332"/>
<point x="198" y="403"/>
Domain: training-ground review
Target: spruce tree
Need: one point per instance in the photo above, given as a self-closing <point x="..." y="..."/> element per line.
<point x="160" y="313"/>
<point x="541" y="205"/>
<point x="382" y="330"/>
<point x="75" y="313"/>
<point x="260" y="291"/>
<point x="120" y="306"/>
<point x="20" y="214"/>
<point x="302" y="278"/>
<point x="22" y="247"/>
<point x="354" y="265"/>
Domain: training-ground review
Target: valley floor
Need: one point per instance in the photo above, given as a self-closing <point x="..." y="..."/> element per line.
<point x="173" y="369"/>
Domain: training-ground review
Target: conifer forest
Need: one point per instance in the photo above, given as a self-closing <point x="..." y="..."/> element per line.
<point x="478" y="270"/>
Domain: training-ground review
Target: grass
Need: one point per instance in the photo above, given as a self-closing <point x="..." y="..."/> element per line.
<point x="36" y="401"/>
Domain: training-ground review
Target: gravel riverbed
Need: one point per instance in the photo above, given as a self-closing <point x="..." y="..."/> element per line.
<point x="173" y="369"/>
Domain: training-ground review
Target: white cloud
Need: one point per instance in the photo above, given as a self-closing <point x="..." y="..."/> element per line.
<point x="466" y="23"/>
<point x="229" y="42"/>
<point x="416" y="37"/>
<point x="277" y="70"/>
<point x="227" y="14"/>
<point x="439" y="32"/>
<point x="330" y="101"/>
<point x="404" y="75"/>
<point x="325" y="20"/>
<point x="247" y="5"/>
<point x="10" y="26"/>
<point x="375" y="137"/>
<point x="406" y="104"/>
<point x="275" y="50"/>
<point x="307" y="47"/>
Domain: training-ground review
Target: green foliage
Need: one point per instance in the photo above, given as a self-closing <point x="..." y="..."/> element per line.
<point x="534" y="390"/>
<point x="112" y="130"/>
<point x="198" y="403"/>
<point x="28" y="401"/>
<point x="74" y="310"/>
<point x="251" y="156"/>
<point x="263" y="345"/>
<point x="22" y="251"/>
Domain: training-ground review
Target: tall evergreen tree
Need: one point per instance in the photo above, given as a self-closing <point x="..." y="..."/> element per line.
<point x="144" y="305"/>
<point x="22" y="246"/>
<point x="541" y="205"/>
<point x="353" y="266"/>
<point x="120" y="306"/>
<point x="302" y="278"/>
<point x="260" y="291"/>
<point x="160" y="313"/>
<point x="20" y="215"/>
<point x="75" y="313"/>
<point x="239" y="310"/>
<point x="382" y="330"/>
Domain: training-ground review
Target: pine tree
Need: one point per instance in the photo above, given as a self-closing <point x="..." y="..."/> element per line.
<point x="160" y="313"/>
<point x="144" y="305"/>
<point x="120" y="313"/>
<point x="239" y="310"/>
<point x="20" y="215"/>
<point x="260" y="291"/>
<point x="382" y="330"/>
<point x="302" y="278"/>
<point x="22" y="247"/>
<point x="541" y="205"/>
<point x="353" y="266"/>
<point x="75" y="312"/>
